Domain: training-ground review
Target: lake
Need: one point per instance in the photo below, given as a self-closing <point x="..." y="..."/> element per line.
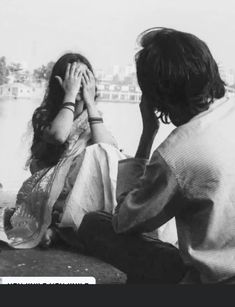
<point x="122" y="119"/>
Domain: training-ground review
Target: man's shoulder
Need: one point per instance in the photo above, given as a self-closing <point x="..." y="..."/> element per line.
<point x="178" y="138"/>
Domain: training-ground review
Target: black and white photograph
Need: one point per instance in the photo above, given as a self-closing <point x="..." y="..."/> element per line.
<point x="117" y="159"/>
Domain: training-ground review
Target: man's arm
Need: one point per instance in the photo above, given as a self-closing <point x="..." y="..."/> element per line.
<point x="150" y="128"/>
<point x="148" y="202"/>
<point x="148" y="196"/>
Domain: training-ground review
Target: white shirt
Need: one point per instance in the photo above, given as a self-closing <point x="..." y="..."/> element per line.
<point x="190" y="176"/>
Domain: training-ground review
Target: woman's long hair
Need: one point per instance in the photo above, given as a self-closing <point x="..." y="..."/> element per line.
<point x="46" y="153"/>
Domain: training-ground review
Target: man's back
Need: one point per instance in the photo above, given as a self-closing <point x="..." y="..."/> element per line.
<point x="201" y="155"/>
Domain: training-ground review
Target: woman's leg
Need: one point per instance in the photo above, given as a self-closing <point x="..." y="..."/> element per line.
<point x="143" y="258"/>
<point x="92" y="184"/>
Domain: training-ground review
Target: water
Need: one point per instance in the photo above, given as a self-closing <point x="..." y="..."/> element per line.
<point x="122" y="119"/>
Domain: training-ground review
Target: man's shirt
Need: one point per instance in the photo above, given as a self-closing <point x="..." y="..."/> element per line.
<point x="190" y="176"/>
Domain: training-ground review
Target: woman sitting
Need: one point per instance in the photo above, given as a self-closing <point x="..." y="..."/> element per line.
<point x="73" y="163"/>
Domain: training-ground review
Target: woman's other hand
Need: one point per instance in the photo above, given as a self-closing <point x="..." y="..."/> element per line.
<point x="88" y="84"/>
<point x="72" y="79"/>
<point x="99" y="133"/>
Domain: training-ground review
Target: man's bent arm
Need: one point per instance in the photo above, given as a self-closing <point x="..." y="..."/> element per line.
<point x="145" y="203"/>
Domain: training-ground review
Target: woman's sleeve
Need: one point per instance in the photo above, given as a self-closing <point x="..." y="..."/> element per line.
<point x="148" y="195"/>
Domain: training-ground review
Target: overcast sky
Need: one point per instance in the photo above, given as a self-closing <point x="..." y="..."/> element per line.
<point x="37" y="32"/>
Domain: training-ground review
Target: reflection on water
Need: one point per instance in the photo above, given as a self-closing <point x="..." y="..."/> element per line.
<point x="122" y="119"/>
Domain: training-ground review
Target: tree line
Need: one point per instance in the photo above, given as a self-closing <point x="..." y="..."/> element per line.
<point x="16" y="73"/>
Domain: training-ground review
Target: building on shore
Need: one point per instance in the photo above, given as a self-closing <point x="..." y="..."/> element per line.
<point x="108" y="91"/>
<point x="111" y="92"/>
<point x="15" y="90"/>
<point x="19" y="90"/>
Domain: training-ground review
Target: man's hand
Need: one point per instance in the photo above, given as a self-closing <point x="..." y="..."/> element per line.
<point x="150" y="128"/>
<point x="149" y="119"/>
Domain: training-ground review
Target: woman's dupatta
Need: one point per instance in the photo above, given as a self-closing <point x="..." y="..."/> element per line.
<point x="38" y="194"/>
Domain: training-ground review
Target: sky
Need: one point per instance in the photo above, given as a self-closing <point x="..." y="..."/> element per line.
<point x="35" y="32"/>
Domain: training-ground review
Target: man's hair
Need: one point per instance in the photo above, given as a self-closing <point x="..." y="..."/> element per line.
<point x="176" y="71"/>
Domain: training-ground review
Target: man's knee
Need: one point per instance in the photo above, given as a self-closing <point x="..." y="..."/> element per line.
<point x="97" y="218"/>
<point x="96" y="223"/>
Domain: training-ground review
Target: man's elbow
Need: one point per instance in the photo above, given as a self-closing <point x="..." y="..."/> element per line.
<point x="116" y="225"/>
<point x="125" y="226"/>
<point x="121" y="226"/>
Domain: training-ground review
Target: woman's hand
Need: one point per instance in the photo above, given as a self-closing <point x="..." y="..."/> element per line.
<point x="88" y="83"/>
<point x="72" y="79"/>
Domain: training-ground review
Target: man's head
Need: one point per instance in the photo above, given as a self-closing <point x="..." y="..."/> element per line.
<point x="177" y="74"/>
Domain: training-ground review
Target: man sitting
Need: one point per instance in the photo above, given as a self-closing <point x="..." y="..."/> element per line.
<point x="191" y="175"/>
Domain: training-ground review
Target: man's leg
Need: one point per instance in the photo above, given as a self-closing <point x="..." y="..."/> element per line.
<point x="142" y="258"/>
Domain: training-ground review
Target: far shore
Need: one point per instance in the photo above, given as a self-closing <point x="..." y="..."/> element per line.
<point x="7" y="198"/>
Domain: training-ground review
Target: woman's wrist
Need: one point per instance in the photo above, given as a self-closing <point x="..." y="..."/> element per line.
<point x="70" y="97"/>
<point x="92" y="110"/>
<point x="90" y="103"/>
<point x="95" y="120"/>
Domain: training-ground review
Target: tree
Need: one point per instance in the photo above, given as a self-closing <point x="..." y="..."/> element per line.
<point x="43" y="73"/>
<point x="18" y="72"/>
<point x="3" y="71"/>
<point x="14" y="67"/>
